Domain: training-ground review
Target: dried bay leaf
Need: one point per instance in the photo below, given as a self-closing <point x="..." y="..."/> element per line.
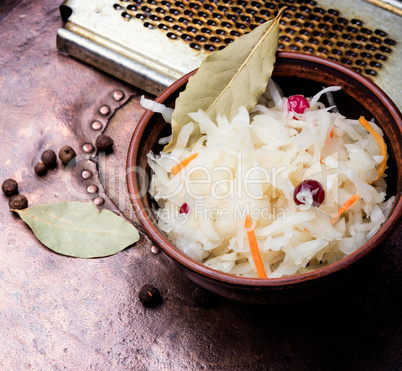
<point x="78" y="229"/>
<point x="227" y="79"/>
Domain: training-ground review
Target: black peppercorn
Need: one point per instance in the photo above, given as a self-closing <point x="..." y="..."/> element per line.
<point x="10" y="187"/>
<point x="49" y="158"/>
<point x="104" y="143"/>
<point x="149" y="296"/>
<point x="18" y="202"/>
<point x="66" y="154"/>
<point x="40" y="169"/>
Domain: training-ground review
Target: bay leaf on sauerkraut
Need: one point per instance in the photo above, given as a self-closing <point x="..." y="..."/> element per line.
<point x="227" y="79"/>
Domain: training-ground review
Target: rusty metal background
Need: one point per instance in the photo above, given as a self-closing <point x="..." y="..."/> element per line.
<point x="61" y="313"/>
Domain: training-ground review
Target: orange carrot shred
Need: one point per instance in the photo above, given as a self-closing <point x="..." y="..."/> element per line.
<point x="380" y="170"/>
<point x="380" y="141"/>
<point x="331" y="134"/>
<point x="344" y="207"/>
<point x="255" y="252"/>
<point x="177" y="168"/>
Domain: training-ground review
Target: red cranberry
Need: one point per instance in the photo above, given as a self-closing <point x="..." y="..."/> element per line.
<point x="184" y="209"/>
<point x="297" y="104"/>
<point x="316" y="189"/>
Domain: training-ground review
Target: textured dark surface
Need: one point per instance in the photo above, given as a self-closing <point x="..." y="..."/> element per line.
<point x="60" y="313"/>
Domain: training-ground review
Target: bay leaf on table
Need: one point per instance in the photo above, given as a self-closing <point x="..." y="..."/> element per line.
<point x="229" y="78"/>
<point x="78" y="229"/>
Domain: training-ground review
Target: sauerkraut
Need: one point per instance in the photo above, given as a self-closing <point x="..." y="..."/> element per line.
<point x="251" y="166"/>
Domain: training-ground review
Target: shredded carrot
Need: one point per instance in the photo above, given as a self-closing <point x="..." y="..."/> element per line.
<point x="344" y="207"/>
<point x="331" y="134"/>
<point x="380" y="141"/>
<point x="177" y="168"/>
<point x="380" y="170"/>
<point x="255" y="252"/>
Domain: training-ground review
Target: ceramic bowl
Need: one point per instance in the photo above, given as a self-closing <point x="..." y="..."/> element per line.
<point x="296" y="74"/>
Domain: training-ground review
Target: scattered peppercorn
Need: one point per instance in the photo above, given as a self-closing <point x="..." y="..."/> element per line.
<point x="40" y="169"/>
<point x="18" y="202"/>
<point x="149" y="296"/>
<point x="49" y="158"/>
<point x="203" y="298"/>
<point x="10" y="187"/>
<point x="66" y="154"/>
<point x="104" y="143"/>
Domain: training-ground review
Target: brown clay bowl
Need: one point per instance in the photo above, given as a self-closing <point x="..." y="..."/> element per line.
<point x="296" y="74"/>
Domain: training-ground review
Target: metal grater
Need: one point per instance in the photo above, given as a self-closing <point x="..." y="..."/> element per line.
<point x="151" y="43"/>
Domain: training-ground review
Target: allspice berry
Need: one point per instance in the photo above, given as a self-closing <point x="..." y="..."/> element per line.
<point x="10" y="187"/>
<point x="40" y="169"/>
<point x="149" y="296"/>
<point x="104" y="143"/>
<point x="18" y="202"/>
<point x="66" y="154"/>
<point x="49" y="158"/>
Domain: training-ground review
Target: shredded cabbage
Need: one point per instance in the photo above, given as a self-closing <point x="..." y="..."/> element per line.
<point x="252" y="166"/>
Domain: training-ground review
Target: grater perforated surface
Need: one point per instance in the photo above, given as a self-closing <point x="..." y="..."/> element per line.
<point x="305" y="26"/>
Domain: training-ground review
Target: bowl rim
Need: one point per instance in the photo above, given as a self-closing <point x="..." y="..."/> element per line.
<point x="178" y="256"/>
